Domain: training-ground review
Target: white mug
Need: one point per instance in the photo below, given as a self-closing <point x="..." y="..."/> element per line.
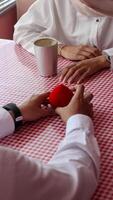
<point x="46" y="52"/>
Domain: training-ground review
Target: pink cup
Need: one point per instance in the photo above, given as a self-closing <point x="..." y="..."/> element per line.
<point x="46" y="52"/>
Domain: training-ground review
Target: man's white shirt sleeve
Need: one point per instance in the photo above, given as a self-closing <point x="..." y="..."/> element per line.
<point x="71" y="174"/>
<point x="7" y="125"/>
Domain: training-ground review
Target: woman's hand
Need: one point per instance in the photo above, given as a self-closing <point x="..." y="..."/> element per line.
<point x="80" y="52"/>
<point x="34" y="109"/>
<point x="83" y="69"/>
<point x="79" y="104"/>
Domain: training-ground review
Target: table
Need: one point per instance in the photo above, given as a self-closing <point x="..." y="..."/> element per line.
<point x="19" y="78"/>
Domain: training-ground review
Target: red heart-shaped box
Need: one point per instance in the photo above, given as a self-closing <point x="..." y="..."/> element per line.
<point x="60" y="96"/>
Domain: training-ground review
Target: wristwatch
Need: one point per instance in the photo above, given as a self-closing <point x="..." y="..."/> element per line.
<point x="108" y="58"/>
<point x="17" y="116"/>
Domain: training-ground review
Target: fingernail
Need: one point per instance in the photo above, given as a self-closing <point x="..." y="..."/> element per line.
<point x="78" y="82"/>
<point x="69" y="82"/>
<point x="64" y="80"/>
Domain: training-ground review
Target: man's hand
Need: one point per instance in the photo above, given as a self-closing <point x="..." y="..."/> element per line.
<point x="83" y="69"/>
<point x="79" y="104"/>
<point x="34" y="108"/>
<point x="80" y="52"/>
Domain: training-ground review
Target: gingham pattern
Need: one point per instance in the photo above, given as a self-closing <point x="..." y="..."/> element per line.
<point x="19" y="78"/>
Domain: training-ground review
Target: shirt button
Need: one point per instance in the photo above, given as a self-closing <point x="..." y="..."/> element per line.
<point x="97" y="20"/>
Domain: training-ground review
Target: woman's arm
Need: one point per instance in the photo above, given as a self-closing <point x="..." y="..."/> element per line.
<point x="33" y="24"/>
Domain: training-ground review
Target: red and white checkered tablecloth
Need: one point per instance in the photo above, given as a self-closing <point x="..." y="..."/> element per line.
<point x="19" y="78"/>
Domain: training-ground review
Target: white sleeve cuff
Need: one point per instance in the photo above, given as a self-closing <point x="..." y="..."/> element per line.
<point x="7" y="125"/>
<point x="80" y="128"/>
<point x="79" y="141"/>
<point x="110" y="53"/>
<point x="79" y="121"/>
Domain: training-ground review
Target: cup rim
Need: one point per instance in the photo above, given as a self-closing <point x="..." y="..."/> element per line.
<point x="45" y="38"/>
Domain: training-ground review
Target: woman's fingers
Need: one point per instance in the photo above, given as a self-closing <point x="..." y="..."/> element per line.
<point x="93" y="50"/>
<point x="86" y="54"/>
<point x="83" y="77"/>
<point x="67" y="74"/>
<point x="74" y="74"/>
<point x="77" y="74"/>
<point x="80" y="57"/>
<point x="64" y="72"/>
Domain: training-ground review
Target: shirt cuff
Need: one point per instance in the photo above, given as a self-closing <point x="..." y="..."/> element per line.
<point x="79" y="121"/>
<point x="7" y="125"/>
<point x="110" y="53"/>
<point x="80" y="132"/>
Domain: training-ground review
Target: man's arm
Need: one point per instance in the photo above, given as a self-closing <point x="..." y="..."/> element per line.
<point x="12" y="116"/>
<point x="71" y="174"/>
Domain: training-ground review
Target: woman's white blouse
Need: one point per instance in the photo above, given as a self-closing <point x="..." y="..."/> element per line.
<point x="59" y="19"/>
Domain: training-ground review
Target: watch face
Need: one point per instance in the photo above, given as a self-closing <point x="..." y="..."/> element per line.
<point x="18" y="119"/>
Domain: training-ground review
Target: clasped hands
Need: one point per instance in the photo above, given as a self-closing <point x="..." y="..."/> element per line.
<point x="89" y="60"/>
<point x="37" y="106"/>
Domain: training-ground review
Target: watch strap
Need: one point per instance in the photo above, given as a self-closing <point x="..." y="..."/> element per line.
<point x="18" y="118"/>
